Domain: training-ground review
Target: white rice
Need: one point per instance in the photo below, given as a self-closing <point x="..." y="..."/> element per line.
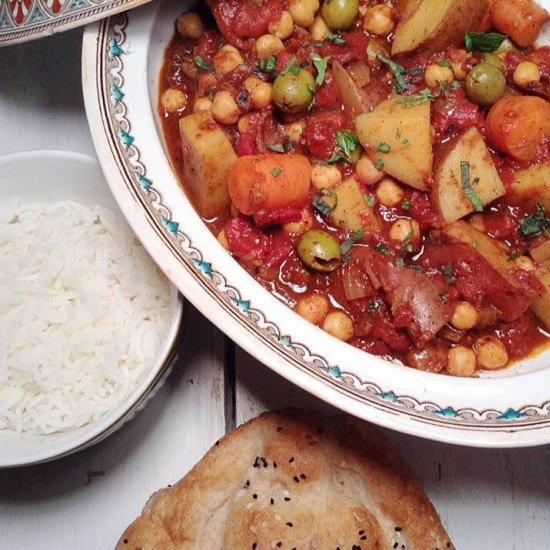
<point x="83" y="313"/>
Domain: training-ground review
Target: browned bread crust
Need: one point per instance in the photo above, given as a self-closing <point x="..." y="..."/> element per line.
<point x="292" y="480"/>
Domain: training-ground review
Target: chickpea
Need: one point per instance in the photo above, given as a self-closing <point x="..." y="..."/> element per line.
<point x="436" y="75"/>
<point x="465" y="316"/>
<point x="523" y="262"/>
<point x="224" y="108"/>
<point x="284" y="27"/>
<point x="402" y="230"/>
<point x="367" y="172"/>
<point x="173" y="100"/>
<point x="251" y="82"/>
<point x="190" y="25"/>
<point x="262" y="95"/>
<point x="294" y="131"/>
<point x="458" y="63"/>
<point x="268" y="45"/>
<point x="222" y="239"/>
<point x="378" y="20"/>
<point x="325" y="177"/>
<point x="339" y="324"/>
<point x="300" y="227"/>
<point x="313" y="308"/>
<point x="227" y="59"/>
<point x="243" y="124"/>
<point x="526" y="73"/>
<point x="202" y="104"/>
<point x="389" y="193"/>
<point x="491" y="353"/>
<point x="318" y="29"/>
<point x="461" y="361"/>
<point x="303" y="11"/>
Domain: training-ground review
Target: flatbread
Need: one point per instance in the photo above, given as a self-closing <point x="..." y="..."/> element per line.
<point x="292" y="480"/>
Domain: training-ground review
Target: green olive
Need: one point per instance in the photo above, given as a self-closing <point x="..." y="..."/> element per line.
<point x="339" y="15"/>
<point x="485" y="84"/>
<point x="319" y="251"/>
<point x="294" y="91"/>
<point x="494" y="59"/>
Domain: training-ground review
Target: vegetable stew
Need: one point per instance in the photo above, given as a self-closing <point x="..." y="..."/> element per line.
<point x="381" y="167"/>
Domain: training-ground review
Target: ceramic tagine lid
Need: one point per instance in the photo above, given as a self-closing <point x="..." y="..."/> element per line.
<point x="22" y="20"/>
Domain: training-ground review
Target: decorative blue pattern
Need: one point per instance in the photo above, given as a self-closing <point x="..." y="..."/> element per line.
<point x="387" y="396"/>
<point x="115" y="50"/>
<point x="172" y="226"/>
<point x="335" y="372"/>
<point x="449" y="412"/>
<point x="205" y="268"/>
<point x="126" y="138"/>
<point x="116" y="94"/>
<point x="511" y="414"/>
<point x="144" y="182"/>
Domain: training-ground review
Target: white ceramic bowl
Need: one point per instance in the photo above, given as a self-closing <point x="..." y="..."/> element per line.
<point x="121" y="61"/>
<point x="45" y="176"/>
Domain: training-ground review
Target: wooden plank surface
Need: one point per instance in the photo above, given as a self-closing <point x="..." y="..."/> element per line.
<point x="86" y="500"/>
<point x="488" y="499"/>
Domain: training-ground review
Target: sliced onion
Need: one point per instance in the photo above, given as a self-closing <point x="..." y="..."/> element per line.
<point x="360" y="72"/>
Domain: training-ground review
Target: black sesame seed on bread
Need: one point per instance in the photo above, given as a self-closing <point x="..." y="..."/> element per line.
<point x="292" y="480"/>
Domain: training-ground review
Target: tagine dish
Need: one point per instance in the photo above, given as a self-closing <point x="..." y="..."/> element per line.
<point x="385" y="173"/>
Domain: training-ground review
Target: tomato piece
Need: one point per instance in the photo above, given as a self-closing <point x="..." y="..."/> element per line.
<point x="321" y="134"/>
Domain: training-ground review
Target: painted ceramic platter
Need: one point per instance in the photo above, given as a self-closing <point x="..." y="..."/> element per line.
<point x="121" y="61"/>
<point x="22" y="20"/>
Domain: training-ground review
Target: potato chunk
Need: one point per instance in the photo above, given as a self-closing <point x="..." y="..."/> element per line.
<point x="486" y="247"/>
<point x="532" y="186"/>
<point x="396" y="135"/>
<point x="449" y="196"/>
<point x="207" y="158"/>
<point x="350" y="209"/>
<point x="433" y="25"/>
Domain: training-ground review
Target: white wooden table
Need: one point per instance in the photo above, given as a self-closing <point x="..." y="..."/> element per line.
<point x="488" y="499"/>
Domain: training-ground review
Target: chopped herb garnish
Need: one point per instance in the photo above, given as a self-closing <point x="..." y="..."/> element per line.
<point x="320" y="64"/>
<point x="406" y="143"/>
<point x="357" y="237"/>
<point x="398" y="71"/>
<point x="400" y="263"/>
<point x="347" y="144"/>
<point x="379" y="165"/>
<point x="445" y="63"/>
<point x="448" y="273"/>
<point x="455" y="85"/>
<point x="322" y="206"/>
<point x="474" y="245"/>
<point x="383" y="148"/>
<point x="369" y="201"/>
<point x="267" y="65"/>
<point x="407" y="242"/>
<point x="336" y="38"/>
<point x="424" y="96"/>
<point x="467" y="186"/>
<point x="199" y="62"/>
<point x="383" y="250"/>
<point x="398" y="133"/>
<point x="277" y="148"/>
<point x="416" y="71"/>
<point x="276" y="172"/>
<point x="291" y="67"/>
<point x="535" y="225"/>
<point x="416" y="268"/>
<point x="406" y="205"/>
<point x="486" y="43"/>
<point x="312" y="102"/>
